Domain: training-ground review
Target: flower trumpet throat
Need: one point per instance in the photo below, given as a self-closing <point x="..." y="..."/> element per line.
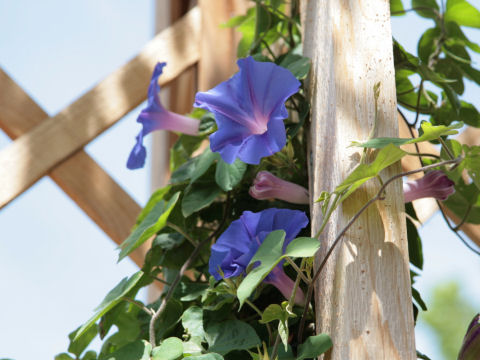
<point x="268" y="186"/>
<point x="249" y="110"/>
<point x="434" y="184"/>
<point x="156" y="117"/>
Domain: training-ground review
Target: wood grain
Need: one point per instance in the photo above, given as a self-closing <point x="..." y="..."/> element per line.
<point x="80" y="177"/>
<point x="34" y="154"/>
<point x="363" y="296"/>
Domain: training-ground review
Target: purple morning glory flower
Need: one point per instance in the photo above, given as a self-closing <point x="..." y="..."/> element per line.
<point x="238" y="244"/>
<point x="249" y="109"/>
<point x="155" y="117"/>
<point x="470" y="349"/>
<point x="434" y="184"/>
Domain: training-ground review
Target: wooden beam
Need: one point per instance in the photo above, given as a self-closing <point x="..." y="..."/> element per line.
<point x="80" y="177"/>
<point x="363" y="296"/>
<point x="218" y="45"/>
<point x="34" y="154"/>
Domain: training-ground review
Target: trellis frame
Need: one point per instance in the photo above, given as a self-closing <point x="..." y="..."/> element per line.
<point x="54" y="146"/>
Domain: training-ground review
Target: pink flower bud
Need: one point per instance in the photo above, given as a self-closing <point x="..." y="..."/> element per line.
<point x="284" y="284"/>
<point x="268" y="186"/>
<point x="434" y="184"/>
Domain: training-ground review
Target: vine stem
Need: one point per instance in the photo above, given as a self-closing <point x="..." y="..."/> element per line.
<point x="184" y="267"/>
<point x="378" y="196"/>
<point x="257" y="310"/>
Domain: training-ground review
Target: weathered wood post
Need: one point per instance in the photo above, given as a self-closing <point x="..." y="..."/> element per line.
<point x="363" y="296"/>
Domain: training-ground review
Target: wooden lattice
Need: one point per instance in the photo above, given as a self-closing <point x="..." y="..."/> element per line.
<point x="54" y="146"/>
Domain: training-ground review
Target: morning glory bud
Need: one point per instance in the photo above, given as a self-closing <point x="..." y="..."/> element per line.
<point x="249" y="110"/>
<point x="434" y="184"/>
<point x="156" y="117"/>
<point x="268" y="186"/>
<point x="470" y="349"/>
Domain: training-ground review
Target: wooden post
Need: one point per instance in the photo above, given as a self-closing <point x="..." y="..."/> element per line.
<point x="363" y="296"/>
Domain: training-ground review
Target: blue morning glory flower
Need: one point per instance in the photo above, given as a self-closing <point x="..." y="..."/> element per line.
<point x="238" y="244"/>
<point x="249" y="109"/>
<point x="155" y="117"/>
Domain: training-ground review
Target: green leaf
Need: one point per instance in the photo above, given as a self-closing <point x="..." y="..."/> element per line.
<point x="138" y="350"/>
<point x="169" y="349"/>
<point x="155" y="198"/>
<point x="192" y="322"/>
<point x="92" y="355"/>
<point x="169" y="318"/>
<point x="430" y="132"/>
<point x="113" y="298"/>
<point x="151" y="224"/>
<point x="269" y="254"/>
<point x="199" y="196"/>
<point x="389" y="155"/>
<point x="298" y="65"/>
<point x="62" y="356"/>
<point x="463" y="13"/>
<point x="203" y="163"/>
<point x="227" y="175"/>
<point x="465" y="197"/>
<point x="472" y="163"/>
<point x="247" y="29"/>
<point x="209" y="356"/>
<point x="415" y="250"/>
<point x="231" y="335"/>
<point x="418" y="298"/>
<point x="273" y="312"/>
<point x="428" y="43"/>
<point x="426" y="8"/>
<point x="314" y="346"/>
<point x="79" y="345"/>
<point x="396" y="8"/>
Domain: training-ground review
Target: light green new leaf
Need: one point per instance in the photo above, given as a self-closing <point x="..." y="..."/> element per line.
<point x="396" y="7"/>
<point x="269" y="254"/>
<point x="463" y="13"/>
<point x="169" y="349"/>
<point x="153" y="222"/>
<point x="80" y="344"/>
<point x="430" y="132"/>
<point x="227" y="175"/>
<point x="231" y="335"/>
<point x="363" y="172"/>
<point x="314" y="346"/>
<point x="113" y="298"/>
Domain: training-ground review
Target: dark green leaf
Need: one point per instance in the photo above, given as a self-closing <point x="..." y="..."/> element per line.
<point x="298" y="65"/>
<point x="79" y="345"/>
<point x="466" y="198"/>
<point x="428" y="43"/>
<point x="169" y="318"/>
<point x="455" y="34"/>
<point x="426" y="8"/>
<point x="151" y="224"/>
<point x="169" y="349"/>
<point x="113" y="298"/>
<point x="138" y="350"/>
<point x="418" y="299"/>
<point x="199" y="196"/>
<point x="415" y="251"/>
<point x="91" y="355"/>
<point x="472" y="163"/>
<point x="231" y="335"/>
<point x="227" y="175"/>
<point x="463" y="13"/>
<point x="203" y="163"/>
<point x="314" y="346"/>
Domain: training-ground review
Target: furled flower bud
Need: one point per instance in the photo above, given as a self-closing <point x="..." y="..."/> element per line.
<point x="268" y="186"/>
<point x="470" y="349"/>
<point x="434" y="184"/>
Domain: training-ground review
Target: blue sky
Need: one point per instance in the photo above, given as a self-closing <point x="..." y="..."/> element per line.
<point x="56" y="265"/>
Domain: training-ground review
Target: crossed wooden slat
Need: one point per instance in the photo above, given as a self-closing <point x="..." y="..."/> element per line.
<point x="54" y="145"/>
